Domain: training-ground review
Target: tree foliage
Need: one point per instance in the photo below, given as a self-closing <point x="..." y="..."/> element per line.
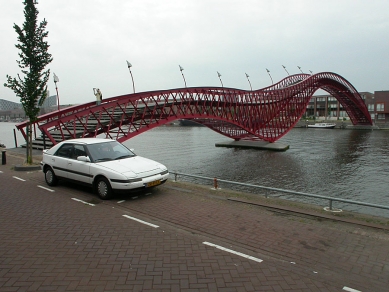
<point x="34" y="57"/>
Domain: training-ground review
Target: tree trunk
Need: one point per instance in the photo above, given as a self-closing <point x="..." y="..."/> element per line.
<point x="29" y="143"/>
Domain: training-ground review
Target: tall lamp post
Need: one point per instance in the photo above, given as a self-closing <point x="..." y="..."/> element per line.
<point x="219" y="75"/>
<point x="56" y="88"/>
<point x="300" y="69"/>
<point x="247" y="76"/>
<point x="132" y="78"/>
<point x="182" y="69"/>
<point x="268" y="72"/>
<point x="285" y="69"/>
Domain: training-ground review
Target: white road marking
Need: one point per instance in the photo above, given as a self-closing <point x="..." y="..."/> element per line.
<point x="141" y="221"/>
<point x="234" y="252"/>
<point x="81" y="201"/>
<point x="121" y="201"/>
<point x="1" y="171"/>
<point x="19" y="178"/>
<point x="345" y="288"/>
<point x="47" y="189"/>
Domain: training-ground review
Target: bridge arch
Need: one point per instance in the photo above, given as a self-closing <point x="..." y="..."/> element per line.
<point x="265" y="114"/>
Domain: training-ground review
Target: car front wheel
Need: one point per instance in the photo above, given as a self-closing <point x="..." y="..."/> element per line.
<point x="103" y="188"/>
<point x="50" y="177"/>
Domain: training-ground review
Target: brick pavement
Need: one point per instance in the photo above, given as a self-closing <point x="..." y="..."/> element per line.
<point x="50" y="242"/>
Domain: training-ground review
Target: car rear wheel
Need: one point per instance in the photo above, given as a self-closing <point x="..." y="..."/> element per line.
<point x="50" y="177"/>
<point x="103" y="188"/>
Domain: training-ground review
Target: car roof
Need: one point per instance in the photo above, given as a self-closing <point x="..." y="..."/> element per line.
<point x="87" y="140"/>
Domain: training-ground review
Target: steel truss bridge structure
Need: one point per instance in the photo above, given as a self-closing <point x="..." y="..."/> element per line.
<point x="265" y="114"/>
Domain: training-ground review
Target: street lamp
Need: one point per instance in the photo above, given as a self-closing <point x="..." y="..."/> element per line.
<point x="219" y="75"/>
<point x="285" y="70"/>
<point x="268" y="72"/>
<point x="300" y="69"/>
<point x="132" y="78"/>
<point x="247" y="76"/>
<point x="182" y="69"/>
<point x="56" y="88"/>
<point x="311" y="72"/>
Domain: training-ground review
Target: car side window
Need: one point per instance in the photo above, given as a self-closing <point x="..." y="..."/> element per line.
<point x="79" y="150"/>
<point x="66" y="151"/>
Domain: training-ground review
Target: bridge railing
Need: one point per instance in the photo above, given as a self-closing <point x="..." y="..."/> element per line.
<point x="291" y="192"/>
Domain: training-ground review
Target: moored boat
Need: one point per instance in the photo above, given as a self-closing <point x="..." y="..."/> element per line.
<point x="322" y="125"/>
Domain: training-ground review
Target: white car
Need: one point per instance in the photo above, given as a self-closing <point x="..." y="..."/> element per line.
<point x="106" y="165"/>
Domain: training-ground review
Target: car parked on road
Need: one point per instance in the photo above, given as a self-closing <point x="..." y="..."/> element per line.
<point x="106" y="165"/>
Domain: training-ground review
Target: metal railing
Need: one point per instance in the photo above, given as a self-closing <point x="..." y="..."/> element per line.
<point x="330" y="199"/>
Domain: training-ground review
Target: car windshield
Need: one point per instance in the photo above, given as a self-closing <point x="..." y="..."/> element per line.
<point x="108" y="151"/>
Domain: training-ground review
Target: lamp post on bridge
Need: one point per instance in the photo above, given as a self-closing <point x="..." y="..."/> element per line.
<point x="268" y="72"/>
<point x="132" y="78"/>
<point x="247" y="76"/>
<point x="55" y="77"/>
<point x="182" y="69"/>
<point x="300" y="69"/>
<point x="285" y="70"/>
<point x="219" y="75"/>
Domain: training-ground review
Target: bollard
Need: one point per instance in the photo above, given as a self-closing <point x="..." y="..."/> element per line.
<point x="215" y="183"/>
<point x="3" y="157"/>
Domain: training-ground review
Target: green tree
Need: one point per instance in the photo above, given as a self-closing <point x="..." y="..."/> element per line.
<point x="34" y="57"/>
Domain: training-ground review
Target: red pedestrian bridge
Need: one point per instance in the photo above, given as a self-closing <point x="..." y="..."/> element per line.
<point x="264" y="114"/>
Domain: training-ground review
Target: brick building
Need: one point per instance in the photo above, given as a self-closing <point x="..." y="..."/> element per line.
<point x="328" y="107"/>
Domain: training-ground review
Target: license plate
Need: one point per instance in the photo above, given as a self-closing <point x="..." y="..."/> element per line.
<point x="153" y="183"/>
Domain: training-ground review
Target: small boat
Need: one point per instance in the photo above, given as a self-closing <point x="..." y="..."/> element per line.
<point x="322" y="125"/>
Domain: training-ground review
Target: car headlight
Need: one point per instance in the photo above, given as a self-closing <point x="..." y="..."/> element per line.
<point x="164" y="172"/>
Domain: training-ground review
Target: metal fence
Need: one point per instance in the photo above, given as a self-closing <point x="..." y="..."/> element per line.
<point x="330" y="199"/>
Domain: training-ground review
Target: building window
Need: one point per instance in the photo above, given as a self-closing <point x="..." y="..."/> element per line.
<point x="370" y="107"/>
<point x="380" y="107"/>
<point x="381" y="116"/>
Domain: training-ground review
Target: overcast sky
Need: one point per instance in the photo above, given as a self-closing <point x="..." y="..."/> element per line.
<point x="90" y="41"/>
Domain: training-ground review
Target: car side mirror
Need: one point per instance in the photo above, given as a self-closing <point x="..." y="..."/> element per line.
<point x="83" y="158"/>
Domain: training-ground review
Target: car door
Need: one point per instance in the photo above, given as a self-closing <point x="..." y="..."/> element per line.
<point x="79" y="170"/>
<point x="60" y="159"/>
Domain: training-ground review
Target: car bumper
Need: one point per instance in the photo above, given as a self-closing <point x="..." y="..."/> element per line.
<point x="147" y="182"/>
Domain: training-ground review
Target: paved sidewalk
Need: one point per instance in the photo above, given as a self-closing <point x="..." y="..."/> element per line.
<point x="66" y="239"/>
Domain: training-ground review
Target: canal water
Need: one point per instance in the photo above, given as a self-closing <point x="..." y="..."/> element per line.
<point x="349" y="164"/>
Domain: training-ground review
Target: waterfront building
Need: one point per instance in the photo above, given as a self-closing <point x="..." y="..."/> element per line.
<point x="327" y="107"/>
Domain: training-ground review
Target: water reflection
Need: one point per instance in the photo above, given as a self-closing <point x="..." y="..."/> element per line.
<point x="352" y="147"/>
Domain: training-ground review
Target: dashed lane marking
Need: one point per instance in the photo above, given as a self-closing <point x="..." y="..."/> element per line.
<point x="122" y="201"/>
<point x="141" y="221"/>
<point x="81" y="201"/>
<point x="233" y="252"/>
<point x="19" y="178"/>
<point x="345" y="288"/>
<point x="47" y="189"/>
<point x="1" y="171"/>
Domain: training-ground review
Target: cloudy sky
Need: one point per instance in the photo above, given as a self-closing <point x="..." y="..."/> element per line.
<point x="90" y="41"/>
